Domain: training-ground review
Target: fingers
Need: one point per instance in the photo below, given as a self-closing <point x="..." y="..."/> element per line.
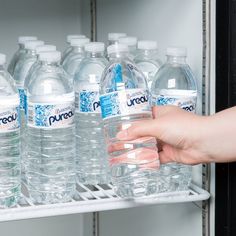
<point x="139" y="129"/>
<point x="129" y="145"/>
<point x="152" y="128"/>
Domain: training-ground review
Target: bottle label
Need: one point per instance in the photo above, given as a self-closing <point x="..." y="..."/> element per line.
<point x="9" y="118"/>
<point x="126" y="102"/>
<point x="185" y="99"/>
<point x="50" y="116"/>
<point x="22" y="98"/>
<point x="87" y="102"/>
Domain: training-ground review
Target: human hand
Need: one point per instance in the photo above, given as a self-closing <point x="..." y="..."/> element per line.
<point x="181" y="135"/>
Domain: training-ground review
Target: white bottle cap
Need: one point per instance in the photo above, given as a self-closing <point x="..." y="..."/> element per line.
<point x="77" y="42"/>
<point x="33" y="44"/>
<point x="2" y="59"/>
<point x="176" y="51"/>
<point x="54" y="56"/>
<point x="115" y="48"/>
<point x="22" y="39"/>
<point x="45" y="48"/>
<point x="95" y="47"/>
<point x="130" y="41"/>
<point x="74" y="36"/>
<point x="115" y="36"/>
<point x="147" y="45"/>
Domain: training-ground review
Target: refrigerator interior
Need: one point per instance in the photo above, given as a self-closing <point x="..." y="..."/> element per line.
<point x="169" y="22"/>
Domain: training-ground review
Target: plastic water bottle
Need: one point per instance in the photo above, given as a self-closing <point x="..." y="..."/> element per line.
<point x="174" y="84"/>
<point x="9" y="139"/>
<point x="113" y="38"/>
<point x="50" y="162"/>
<point x="148" y="60"/>
<point x="69" y="47"/>
<point x="31" y="73"/>
<point x="124" y="99"/>
<point x="36" y="65"/>
<point x="92" y="162"/>
<point x="77" y="54"/>
<point x="131" y="42"/>
<point x="21" y="51"/>
<point x="21" y="70"/>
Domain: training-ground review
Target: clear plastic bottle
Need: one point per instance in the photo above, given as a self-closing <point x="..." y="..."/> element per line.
<point x="148" y="60"/>
<point x="29" y="77"/>
<point x="10" y="187"/>
<point x="77" y="54"/>
<point x="50" y="162"/>
<point x="36" y="65"/>
<point x="69" y="47"/>
<point x="131" y="42"/>
<point x="21" y="51"/>
<point x="174" y="84"/>
<point x="21" y="70"/>
<point x="124" y="99"/>
<point x="113" y="38"/>
<point x="91" y="162"/>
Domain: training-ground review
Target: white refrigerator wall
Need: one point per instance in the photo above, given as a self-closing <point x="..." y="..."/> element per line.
<point x="169" y="22"/>
<point x="51" y="21"/>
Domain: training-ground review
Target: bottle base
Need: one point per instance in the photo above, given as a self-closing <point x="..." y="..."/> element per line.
<point x="92" y="179"/>
<point x="137" y="188"/>
<point x="12" y="198"/>
<point x="51" y="197"/>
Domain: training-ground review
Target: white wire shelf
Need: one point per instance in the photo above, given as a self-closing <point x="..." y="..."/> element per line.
<point x="93" y="199"/>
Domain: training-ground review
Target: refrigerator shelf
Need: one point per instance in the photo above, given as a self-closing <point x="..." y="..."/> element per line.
<point x="93" y="199"/>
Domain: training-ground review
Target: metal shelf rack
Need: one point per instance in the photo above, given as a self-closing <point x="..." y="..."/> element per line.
<point x="94" y="199"/>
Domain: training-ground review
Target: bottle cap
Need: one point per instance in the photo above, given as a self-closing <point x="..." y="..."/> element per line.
<point x="54" y="56"/>
<point x="22" y="39"/>
<point x="95" y="47"/>
<point x="147" y="45"/>
<point x="33" y="44"/>
<point x="176" y="51"/>
<point x="45" y="48"/>
<point x="79" y="42"/>
<point x="2" y="59"/>
<point x="130" y="41"/>
<point x="74" y="36"/>
<point x="117" y="48"/>
<point x="115" y="36"/>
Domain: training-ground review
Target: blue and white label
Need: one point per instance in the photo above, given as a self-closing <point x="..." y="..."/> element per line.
<point x="87" y="102"/>
<point x="50" y="115"/>
<point x="9" y="119"/>
<point x="22" y="98"/>
<point x="185" y="99"/>
<point x="126" y="102"/>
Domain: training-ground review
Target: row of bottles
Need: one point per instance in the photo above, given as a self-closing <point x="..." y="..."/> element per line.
<point x="71" y="108"/>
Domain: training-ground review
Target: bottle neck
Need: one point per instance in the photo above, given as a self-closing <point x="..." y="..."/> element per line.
<point x="78" y="49"/>
<point x="118" y="55"/>
<point x="176" y="59"/>
<point x="47" y="63"/>
<point x="94" y="54"/>
<point x="149" y="52"/>
<point x="31" y="52"/>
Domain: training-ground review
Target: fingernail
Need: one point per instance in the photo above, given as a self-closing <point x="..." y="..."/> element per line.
<point x="122" y="135"/>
